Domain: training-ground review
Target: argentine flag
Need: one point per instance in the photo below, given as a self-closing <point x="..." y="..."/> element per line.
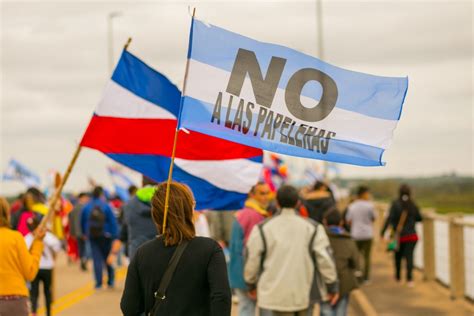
<point x="275" y="98"/>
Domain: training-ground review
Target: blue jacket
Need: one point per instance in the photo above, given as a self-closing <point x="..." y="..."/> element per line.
<point x="110" y="227"/>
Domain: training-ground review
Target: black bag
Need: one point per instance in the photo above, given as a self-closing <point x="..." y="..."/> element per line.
<point x="160" y="294"/>
<point x="97" y="222"/>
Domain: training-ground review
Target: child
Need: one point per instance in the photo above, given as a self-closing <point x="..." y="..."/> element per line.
<point x="347" y="262"/>
<point x="52" y="245"/>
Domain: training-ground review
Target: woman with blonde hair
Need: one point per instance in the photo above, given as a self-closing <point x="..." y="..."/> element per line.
<point x="17" y="265"/>
<point x="177" y="273"/>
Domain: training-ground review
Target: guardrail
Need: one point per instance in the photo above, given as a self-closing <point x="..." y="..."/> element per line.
<point x="445" y="250"/>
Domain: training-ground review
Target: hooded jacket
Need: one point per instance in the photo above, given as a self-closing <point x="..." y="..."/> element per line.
<point x="137" y="219"/>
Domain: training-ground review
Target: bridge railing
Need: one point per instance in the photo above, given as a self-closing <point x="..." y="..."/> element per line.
<point x="445" y="250"/>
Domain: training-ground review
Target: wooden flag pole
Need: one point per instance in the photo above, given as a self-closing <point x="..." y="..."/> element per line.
<point x="59" y="189"/>
<point x="173" y="152"/>
<point x="65" y="177"/>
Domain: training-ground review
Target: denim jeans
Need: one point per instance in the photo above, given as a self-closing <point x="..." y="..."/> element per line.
<point x="246" y="304"/>
<point x="340" y="309"/>
<point x="100" y="251"/>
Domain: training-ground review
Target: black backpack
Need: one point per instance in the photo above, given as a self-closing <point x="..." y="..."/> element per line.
<point x="97" y="222"/>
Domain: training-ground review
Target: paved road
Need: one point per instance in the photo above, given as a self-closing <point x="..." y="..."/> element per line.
<point x="75" y="294"/>
<point x="391" y="299"/>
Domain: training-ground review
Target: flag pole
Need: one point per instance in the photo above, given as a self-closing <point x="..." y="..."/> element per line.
<point x="65" y="177"/>
<point x="173" y="152"/>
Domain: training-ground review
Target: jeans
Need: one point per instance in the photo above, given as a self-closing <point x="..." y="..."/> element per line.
<point x="365" y="246"/>
<point x="405" y="251"/>
<point x="340" y="309"/>
<point x="246" y="304"/>
<point x="44" y="276"/>
<point x="100" y="251"/>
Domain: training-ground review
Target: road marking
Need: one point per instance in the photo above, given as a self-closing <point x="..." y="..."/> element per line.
<point x="74" y="297"/>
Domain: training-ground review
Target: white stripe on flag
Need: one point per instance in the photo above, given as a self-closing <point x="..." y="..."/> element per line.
<point x="245" y="173"/>
<point x="347" y="124"/>
<point x="120" y="102"/>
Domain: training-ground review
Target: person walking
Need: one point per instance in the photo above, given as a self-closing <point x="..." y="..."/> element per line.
<point x="285" y="254"/>
<point x="176" y="273"/>
<point x="136" y="218"/>
<point x="52" y="246"/>
<point x="403" y="215"/>
<point x="347" y="262"/>
<point x="17" y="265"/>
<point x="360" y="217"/>
<point x="99" y="224"/>
<point x="318" y="201"/>
<point x="254" y="212"/>
<point x="75" y="229"/>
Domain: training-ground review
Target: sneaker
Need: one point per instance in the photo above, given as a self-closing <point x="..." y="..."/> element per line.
<point x="411" y="284"/>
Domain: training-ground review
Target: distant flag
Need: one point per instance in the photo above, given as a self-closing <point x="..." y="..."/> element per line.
<point x="17" y="171"/>
<point x="278" y="99"/>
<point x="121" y="183"/>
<point x="135" y="123"/>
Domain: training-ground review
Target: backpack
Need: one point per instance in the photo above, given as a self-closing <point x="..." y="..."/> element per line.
<point x="96" y="222"/>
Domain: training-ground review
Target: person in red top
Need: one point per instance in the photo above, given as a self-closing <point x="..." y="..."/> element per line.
<point x="408" y="236"/>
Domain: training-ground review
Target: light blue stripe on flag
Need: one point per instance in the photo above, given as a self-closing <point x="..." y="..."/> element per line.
<point x="198" y="112"/>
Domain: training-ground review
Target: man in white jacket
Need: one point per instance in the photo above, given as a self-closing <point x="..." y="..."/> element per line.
<point x="290" y="261"/>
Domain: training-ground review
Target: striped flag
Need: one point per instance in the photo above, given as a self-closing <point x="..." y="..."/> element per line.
<point x="278" y="99"/>
<point x="134" y="124"/>
<point x="16" y="171"/>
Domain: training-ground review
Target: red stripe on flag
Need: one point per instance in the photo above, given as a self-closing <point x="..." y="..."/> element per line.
<point x="113" y="135"/>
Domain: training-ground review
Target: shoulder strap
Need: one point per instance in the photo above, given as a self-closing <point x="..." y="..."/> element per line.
<point x="401" y="222"/>
<point x="264" y="251"/>
<point x="160" y="294"/>
<point x="311" y="243"/>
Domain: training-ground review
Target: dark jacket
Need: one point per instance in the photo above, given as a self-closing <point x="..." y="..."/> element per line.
<point x="199" y="286"/>
<point x="318" y="203"/>
<point x="347" y="260"/>
<point x="393" y="218"/>
<point x="137" y="222"/>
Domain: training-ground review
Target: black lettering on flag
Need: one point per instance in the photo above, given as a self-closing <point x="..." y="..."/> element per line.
<point x="261" y="117"/>
<point x="291" y="139"/>
<point x="276" y="124"/>
<point x="310" y="132"/>
<point x="216" y="114"/>
<point x="264" y="89"/>
<point x="238" y="115"/>
<point x="228" y="122"/>
<point x="267" y="128"/>
<point x="300" y="131"/>
<point x="325" y="142"/>
<point x="293" y="95"/>
<point x="284" y="125"/>
<point x="248" y="112"/>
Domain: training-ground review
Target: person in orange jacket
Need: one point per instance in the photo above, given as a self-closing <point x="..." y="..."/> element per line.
<point x="17" y="264"/>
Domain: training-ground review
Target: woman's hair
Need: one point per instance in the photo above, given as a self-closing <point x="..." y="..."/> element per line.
<point x="179" y="220"/>
<point x="4" y="213"/>
<point x="404" y="196"/>
<point x="318" y="185"/>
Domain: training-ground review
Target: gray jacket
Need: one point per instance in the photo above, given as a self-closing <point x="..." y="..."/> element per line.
<point x="138" y="223"/>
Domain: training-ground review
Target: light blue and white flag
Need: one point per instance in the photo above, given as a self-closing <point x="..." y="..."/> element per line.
<point x="16" y="171"/>
<point x="275" y="98"/>
<point x="121" y="183"/>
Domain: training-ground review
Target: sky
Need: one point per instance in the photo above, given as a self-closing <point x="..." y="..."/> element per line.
<point x="54" y="66"/>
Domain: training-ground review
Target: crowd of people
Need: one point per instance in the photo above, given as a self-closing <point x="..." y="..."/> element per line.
<point x="282" y="254"/>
